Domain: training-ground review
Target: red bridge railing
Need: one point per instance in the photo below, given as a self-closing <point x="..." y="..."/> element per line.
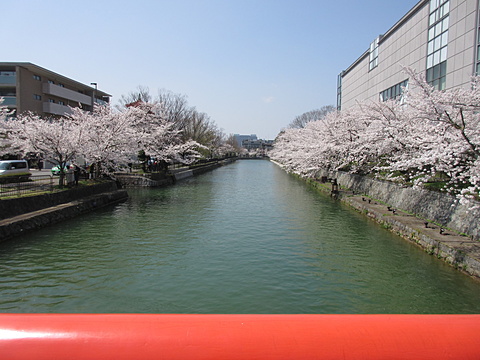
<point x="36" y="336"/>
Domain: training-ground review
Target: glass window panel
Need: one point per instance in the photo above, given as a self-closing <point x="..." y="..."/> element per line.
<point x="436" y="58"/>
<point x="438" y="43"/>
<point x="478" y="69"/>
<point x="431" y="21"/>
<point x="436" y="72"/>
<point x="446" y="7"/>
<point x="444" y="38"/>
<point x="443" y="54"/>
<point x="438" y="29"/>
<point x="443" y="68"/>
<point x="430" y="47"/>
<point x="429" y="75"/>
<point x="429" y="61"/>
<point x="442" y="83"/>
<point x="436" y="83"/>
<point x="431" y="33"/>
<point x="445" y="23"/>
<point x="478" y="53"/>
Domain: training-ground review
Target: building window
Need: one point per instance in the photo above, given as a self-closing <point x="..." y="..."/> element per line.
<point x="373" y="63"/>
<point x="60" y="102"/>
<point x="51" y="101"/>
<point x="395" y="92"/>
<point x="437" y="75"/>
<point x="51" y="82"/>
<point x="339" y="92"/>
<point x="437" y="42"/>
<point x="37" y="97"/>
<point x="36" y="77"/>
<point x="61" y="85"/>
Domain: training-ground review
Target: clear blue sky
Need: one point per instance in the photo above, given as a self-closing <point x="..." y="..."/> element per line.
<point x="251" y="65"/>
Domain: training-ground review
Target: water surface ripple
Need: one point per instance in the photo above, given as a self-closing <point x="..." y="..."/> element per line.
<point x="245" y="238"/>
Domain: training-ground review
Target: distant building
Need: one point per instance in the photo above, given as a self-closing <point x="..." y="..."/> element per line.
<point x="28" y="87"/>
<point x="438" y="38"/>
<point x="257" y="144"/>
<point x="240" y="138"/>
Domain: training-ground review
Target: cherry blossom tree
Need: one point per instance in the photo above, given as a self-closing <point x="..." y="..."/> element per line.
<point x="446" y="138"/>
<point x="160" y="138"/>
<point x="57" y="139"/>
<point x="4" y="113"/>
<point x="429" y="135"/>
<point x="108" y="137"/>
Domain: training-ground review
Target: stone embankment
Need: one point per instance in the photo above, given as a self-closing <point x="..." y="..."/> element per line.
<point x="434" y="221"/>
<point x="18" y="216"/>
<point x="159" y="179"/>
<point x="129" y="180"/>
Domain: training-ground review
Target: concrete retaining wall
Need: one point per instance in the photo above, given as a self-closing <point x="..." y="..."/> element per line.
<point x="160" y="179"/>
<point x="13" y="207"/>
<point x="198" y="170"/>
<point x="20" y="224"/>
<point x="144" y="180"/>
<point x="434" y="206"/>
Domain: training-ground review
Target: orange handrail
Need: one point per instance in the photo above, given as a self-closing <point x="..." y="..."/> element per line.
<point x="132" y="336"/>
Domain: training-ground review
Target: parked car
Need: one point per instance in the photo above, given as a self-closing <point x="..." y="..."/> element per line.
<point x="56" y="170"/>
<point x="14" y="170"/>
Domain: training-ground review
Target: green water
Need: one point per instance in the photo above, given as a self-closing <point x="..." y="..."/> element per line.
<point x="245" y="238"/>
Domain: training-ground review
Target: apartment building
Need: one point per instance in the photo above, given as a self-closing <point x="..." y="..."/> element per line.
<point x="28" y="87"/>
<point x="436" y="37"/>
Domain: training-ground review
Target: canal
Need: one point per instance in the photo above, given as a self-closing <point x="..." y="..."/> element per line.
<point x="245" y="238"/>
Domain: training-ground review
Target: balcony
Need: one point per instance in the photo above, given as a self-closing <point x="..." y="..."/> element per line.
<point x="100" y="102"/>
<point x="9" y="101"/>
<point x="55" y="90"/>
<point x="56" y="109"/>
<point x="8" y="78"/>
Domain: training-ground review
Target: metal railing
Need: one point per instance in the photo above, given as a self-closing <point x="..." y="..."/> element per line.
<point x="34" y="185"/>
<point x="238" y="337"/>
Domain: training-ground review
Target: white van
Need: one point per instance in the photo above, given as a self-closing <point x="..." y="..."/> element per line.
<point x="15" y="168"/>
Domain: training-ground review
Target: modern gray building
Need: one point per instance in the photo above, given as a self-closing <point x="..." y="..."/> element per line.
<point x="27" y="87"/>
<point x="241" y="138"/>
<point x="436" y="37"/>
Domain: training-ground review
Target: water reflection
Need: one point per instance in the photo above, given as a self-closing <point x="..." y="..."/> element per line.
<point x="246" y="238"/>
